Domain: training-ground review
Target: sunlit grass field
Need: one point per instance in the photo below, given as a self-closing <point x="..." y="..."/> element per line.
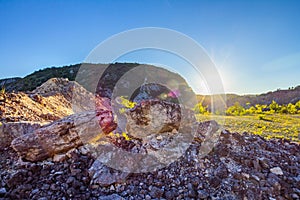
<point x="267" y="125"/>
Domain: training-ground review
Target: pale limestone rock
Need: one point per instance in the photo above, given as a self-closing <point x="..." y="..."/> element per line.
<point x="276" y="170"/>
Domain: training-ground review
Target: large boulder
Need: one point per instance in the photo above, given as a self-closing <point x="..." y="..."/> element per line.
<point x="63" y="135"/>
<point x="155" y="116"/>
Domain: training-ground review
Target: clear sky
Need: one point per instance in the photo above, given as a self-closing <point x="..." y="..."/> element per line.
<point x="255" y="44"/>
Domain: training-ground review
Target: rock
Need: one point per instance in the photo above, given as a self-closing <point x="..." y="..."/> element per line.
<point x="221" y="149"/>
<point x="221" y="171"/>
<point x="17" y="178"/>
<point x="191" y="191"/>
<point x="153" y="91"/>
<point x="207" y="128"/>
<point x="111" y="197"/>
<point x="35" y="191"/>
<point x="156" y="192"/>
<point x="84" y="150"/>
<point x="63" y="135"/>
<point x="170" y="195"/>
<point x="255" y="178"/>
<point x="215" y="182"/>
<point x="247" y="176"/>
<point x="276" y="170"/>
<point x="264" y="163"/>
<point x="154" y="117"/>
<point x="105" y="176"/>
<point x="256" y="165"/>
<point x="12" y="130"/>
<point x="202" y="194"/>
<point x="295" y="196"/>
<point x="70" y="180"/>
<point x="59" y="157"/>
<point x="2" y="192"/>
<point x="45" y="186"/>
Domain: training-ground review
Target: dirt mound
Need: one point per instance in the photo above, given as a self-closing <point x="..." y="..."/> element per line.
<point x="49" y="102"/>
<point x="16" y="107"/>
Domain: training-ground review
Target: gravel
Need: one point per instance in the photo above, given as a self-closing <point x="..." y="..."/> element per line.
<point x="252" y="168"/>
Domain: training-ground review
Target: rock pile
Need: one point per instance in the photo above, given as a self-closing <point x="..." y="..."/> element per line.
<point x="240" y="166"/>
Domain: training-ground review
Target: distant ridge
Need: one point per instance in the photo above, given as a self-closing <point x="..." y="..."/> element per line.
<point x="37" y="78"/>
<point x="286" y="96"/>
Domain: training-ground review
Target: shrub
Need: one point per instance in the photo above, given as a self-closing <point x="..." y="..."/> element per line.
<point x="236" y="110"/>
<point x="274" y="106"/>
<point x="200" y="109"/>
<point x="2" y="90"/>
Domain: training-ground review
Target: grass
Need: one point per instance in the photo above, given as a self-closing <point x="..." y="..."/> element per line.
<point x="278" y="126"/>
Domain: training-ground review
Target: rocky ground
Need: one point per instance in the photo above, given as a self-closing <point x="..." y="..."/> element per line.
<point x="239" y="167"/>
<point x="54" y="161"/>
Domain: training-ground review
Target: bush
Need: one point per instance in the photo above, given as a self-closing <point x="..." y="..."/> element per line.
<point x="274" y="106"/>
<point x="200" y="109"/>
<point x="236" y="110"/>
<point x="2" y="91"/>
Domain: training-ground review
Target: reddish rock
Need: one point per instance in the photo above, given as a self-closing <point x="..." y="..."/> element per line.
<point x="63" y="135"/>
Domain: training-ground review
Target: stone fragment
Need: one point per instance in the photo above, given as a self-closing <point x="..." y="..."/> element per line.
<point x="276" y="170"/>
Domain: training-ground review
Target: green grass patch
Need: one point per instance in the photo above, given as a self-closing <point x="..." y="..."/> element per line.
<point x="278" y="126"/>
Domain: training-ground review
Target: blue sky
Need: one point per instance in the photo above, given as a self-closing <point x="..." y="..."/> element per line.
<point x="255" y="44"/>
